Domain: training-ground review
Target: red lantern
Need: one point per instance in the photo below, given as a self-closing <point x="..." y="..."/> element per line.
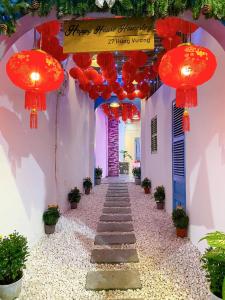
<point x="184" y="68"/>
<point x="167" y="27"/>
<point x="138" y="59"/>
<point x="171" y="42"/>
<point x="49" y="28"/>
<point x="105" y="60"/>
<point x="37" y="73"/>
<point x="82" y="60"/>
<point x="187" y="27"/>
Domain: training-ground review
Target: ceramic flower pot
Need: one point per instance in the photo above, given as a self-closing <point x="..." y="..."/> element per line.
<point x="160" y="205"/>
<point x="73" y="205"/>
<point x="137" y="181"/>
<point x="10" y="291"/>
<point x="147" y="190"/>
<point x="97" y="181"/>
<point x="49" y="229"/>
<point x="214" y="297"/>
<point x="87" y="191"/>
<point x="181" y="232"/>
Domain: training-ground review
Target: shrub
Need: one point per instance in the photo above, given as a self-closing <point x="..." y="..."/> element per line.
<point x="159" y="194"/>
<point x="13" y="256"/>
<point x="146" y="183"/>
<point x="98" y="173"/>
<point x="137" y="172"/>
<point x="87" y="183"/>
<point x="74" y="195"/>
<point x="180" y="219"/>
<point x="51" y="215"/>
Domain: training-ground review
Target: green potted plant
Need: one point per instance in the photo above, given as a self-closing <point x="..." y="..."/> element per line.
<point x="137" y="175"/>
<point x="87" y="185"/>
<point x="50" y="218"/>
<point x="213" y="261"/>
<point x="180" y="221"/>
<point x="74" y="197"/>
<point x="13" y="256"/>
<point x="159" y="196"/>
<point x="98" y="175"/>
<point x="124" y="165"/>
<point x="146" y="184"/>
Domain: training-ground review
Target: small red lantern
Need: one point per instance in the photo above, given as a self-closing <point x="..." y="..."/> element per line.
<point x="49" y="28"/>
<point x="167" y="27"/>
<point x="82" y="60"/>
<point x="184" y="68"/>
<point x="37" y="73"/>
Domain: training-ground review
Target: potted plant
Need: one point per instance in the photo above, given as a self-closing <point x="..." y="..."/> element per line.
<point x="159" y="196"/>
<point x="13" y="256"/>
<point x="146" y="184"/>
<point x="98" y="175"/>
<point x="180" y="221"/>
<point x="137" y="175"/>
<point x="87" y="185"/>
<point x="74" y="197"/>
<point x="214" y="263"/>
<point x="124" y="165"/>
<point x="50" y="218"/>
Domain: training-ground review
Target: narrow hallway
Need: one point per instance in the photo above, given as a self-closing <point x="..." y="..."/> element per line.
<point x="169" y="267"/>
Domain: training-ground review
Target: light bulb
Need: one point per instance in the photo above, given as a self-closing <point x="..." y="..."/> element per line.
<point x="35" y="76"/>
<point x="114" y="104"/>
<point x="186" y="70"/>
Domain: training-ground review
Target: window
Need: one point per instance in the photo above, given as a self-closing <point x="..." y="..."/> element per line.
<point x="154" y="144"/>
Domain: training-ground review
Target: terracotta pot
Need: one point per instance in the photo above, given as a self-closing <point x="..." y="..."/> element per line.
<point x="49" y="229"/>
<point x="160" y="205"/>
<point x="87" y="191"/>
<point x="73" y="205"/>
<point x="181" y="232"/>
<point x="10" y="291"/>
<point x="137" y="181"/>
<point x="97" y="181"/>
<point x="147" y="190"/>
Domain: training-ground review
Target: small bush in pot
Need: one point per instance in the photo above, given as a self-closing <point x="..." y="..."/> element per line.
<point x="87" y="185"/>
<point x="74" y="197"/>
<point x="180" y="221"/>
<point x="13" y="256"/>
<point x="50" y="218"/>
<point x="146" y="184"/>
<point x="137" y="175"/>
<point x="214" y="263"/>
<point x="98" y="175"/>
<point x="160" y="196"/>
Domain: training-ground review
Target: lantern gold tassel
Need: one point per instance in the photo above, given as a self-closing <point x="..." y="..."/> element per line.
<point x="186" y="121"/>
<point x="33" y="119"/>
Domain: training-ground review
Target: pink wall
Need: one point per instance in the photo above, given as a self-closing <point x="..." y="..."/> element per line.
<point x="101" y="141"/>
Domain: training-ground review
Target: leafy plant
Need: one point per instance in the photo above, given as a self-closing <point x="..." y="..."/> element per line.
<point x="51" y="215"/>
<point x="98" y="173"/>
<point x="125" y="155"/>
<point x="74" y="195"/>
<point x="137" y="172"/>
<point x="180" y="218"/>
<point x="146" y="183"/>
<point x="87" y="183"/>
<point x="159" y="194"/>
<point x="214" y="262"/>
<point x="13" y="256"/>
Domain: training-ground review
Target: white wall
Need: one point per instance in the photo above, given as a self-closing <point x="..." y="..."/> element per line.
<point x="75" y="140"/>
<point x="205" y="148"/>
<point x="27" y="181"/>
<point x="101" y="141"/>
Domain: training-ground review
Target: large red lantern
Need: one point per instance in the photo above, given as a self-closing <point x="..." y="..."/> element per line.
<point x="184" y="68"/>
<point x="36" y="72"/>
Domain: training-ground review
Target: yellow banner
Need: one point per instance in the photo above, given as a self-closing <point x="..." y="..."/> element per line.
<point x="108" y="35"/>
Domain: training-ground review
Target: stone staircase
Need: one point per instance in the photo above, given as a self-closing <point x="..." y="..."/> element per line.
<point x="115" y="228"/>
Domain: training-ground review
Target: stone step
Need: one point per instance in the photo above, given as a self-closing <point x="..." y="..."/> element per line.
<point x="113" y="280"/>
<point x="117" y="204"/>
<point x="116" y="210"/>
<point x="116" y="188"/>
<point x="111" y="227"/>
<point x="114" y="256"/>
<point x="117" y="195"/>
<point x="115" y="218"/>
<point x="115" y="239"/>
<point x="117" y="199"/>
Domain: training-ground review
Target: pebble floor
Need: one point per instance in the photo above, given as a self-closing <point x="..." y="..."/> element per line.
<point x="169" y="267"/>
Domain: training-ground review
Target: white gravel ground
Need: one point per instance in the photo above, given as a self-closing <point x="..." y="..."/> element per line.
<point x="169" y="267"/>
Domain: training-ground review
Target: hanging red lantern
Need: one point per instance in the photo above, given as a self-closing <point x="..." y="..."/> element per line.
<point x="171" y="42"/>
<point x="37" y="73"/>
<point x="129" y="88"/>
<point x="82" y="60"/>
<point x="93" y="94"/>
<point x="187" y="27"/>
<point x="138" y="59"/>
<point x="49" y="28"/>
<point x="167" y="27"/>
<point x="184" y="68"/>
<point x="105" y="60"/>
